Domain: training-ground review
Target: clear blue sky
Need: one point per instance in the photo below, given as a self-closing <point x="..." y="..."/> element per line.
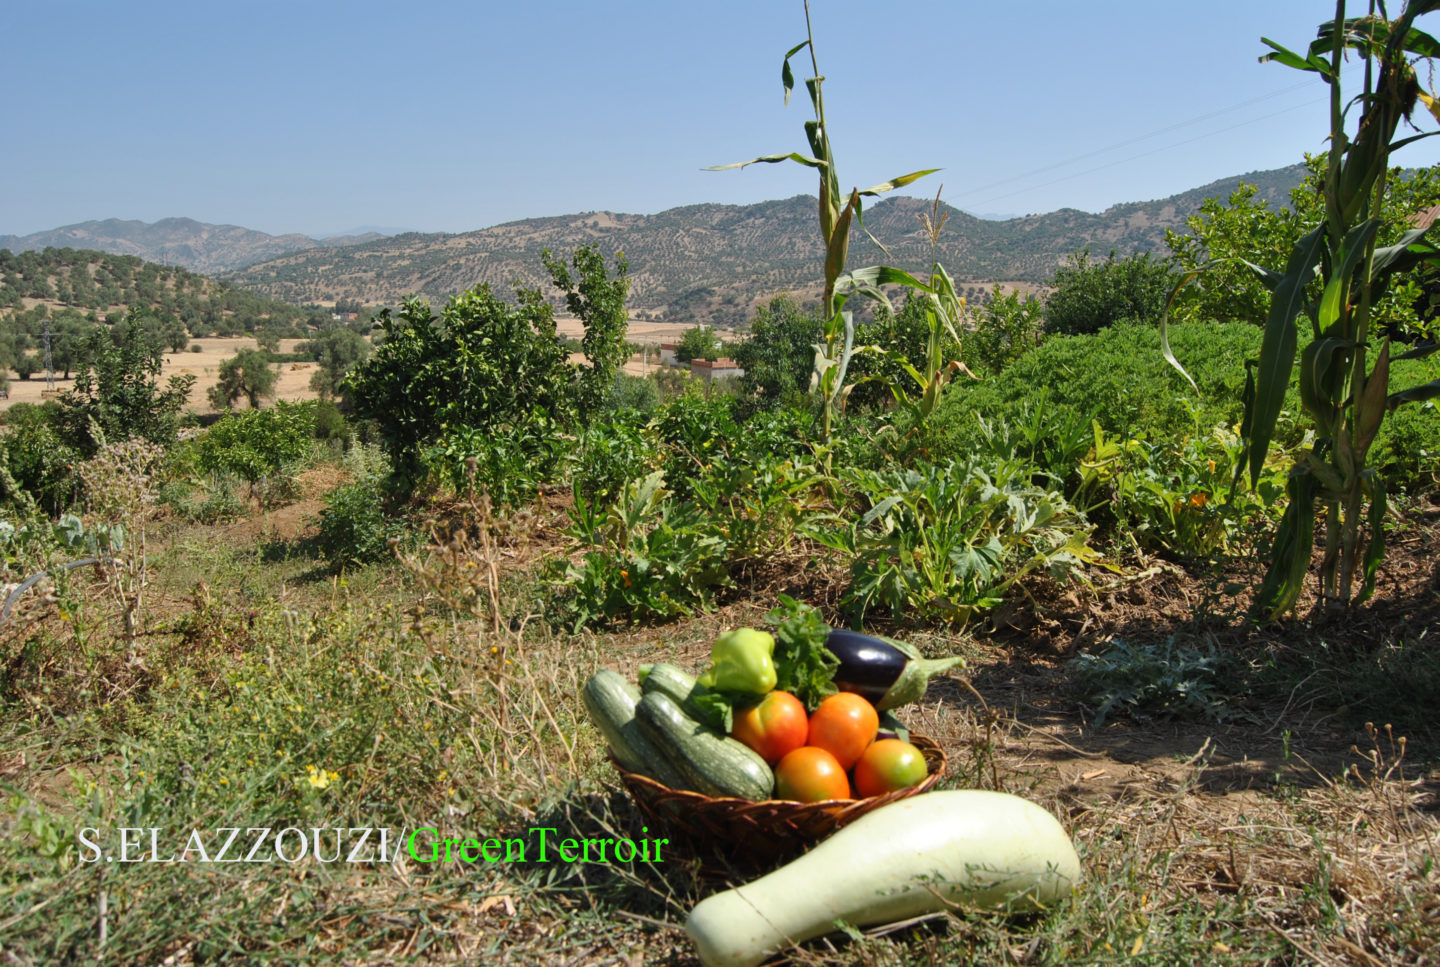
<point x="450" y="116"/>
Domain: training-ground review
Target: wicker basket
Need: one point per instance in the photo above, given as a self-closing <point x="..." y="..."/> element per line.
<point x="760" y="833"/>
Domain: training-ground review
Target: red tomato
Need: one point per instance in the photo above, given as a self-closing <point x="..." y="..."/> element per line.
<point x="844" y="725"/>
<point x="774" y="727"/>
<point x="888" y="764"/>
<point x="808" y="774"/>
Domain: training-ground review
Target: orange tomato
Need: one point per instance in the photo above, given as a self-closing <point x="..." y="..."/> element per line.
<point x="888" y="764"/>
<point x="808" y="774"/>
<point x="844" y="725"/>
<point x="774" y="727"/>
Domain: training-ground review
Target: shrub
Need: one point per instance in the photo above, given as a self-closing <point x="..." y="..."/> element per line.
<point x="41" y="464"/>
<point x="258" y="444"/>
<point x="1006" y="328"/>
<point x="778" y="355"/>
<point x="482" y="364"/>
<point x="509" y="464"/>
<point x="1090" y="296"/>
<point x="354" y="528"/>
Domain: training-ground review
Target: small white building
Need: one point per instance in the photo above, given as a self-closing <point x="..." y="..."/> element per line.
<point x="719" y="369"/>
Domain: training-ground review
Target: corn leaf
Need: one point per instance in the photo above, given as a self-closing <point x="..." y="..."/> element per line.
<point x="787" y="76"/>
<point x="894" y="183"/>
<point x="1294" y="540"/>
<point x="1317" y="366"/>
<point x="1370" y="409"/>
<point x="1277" y="348"/>
<point x="1415" y="394"/>
<point x="1352" y="250"/>
<point x="1419" y="352"/>
<point x="1404" y="255"/>
<point x="874" y="275"/>
<point x="806" y="160"/>
<point x="1283" y="55"/>
<point x="1375" y="549"/>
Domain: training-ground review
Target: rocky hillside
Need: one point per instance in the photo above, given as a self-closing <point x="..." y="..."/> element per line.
<point x="712" y="261"/>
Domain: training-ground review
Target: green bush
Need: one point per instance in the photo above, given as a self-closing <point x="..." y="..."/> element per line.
<point x="1005" y="328"/>
<point x="40" y="463"/>
<point x="259" y="444"/>
<point x="509" y="464"/>
<point x="1091" y="296"/>
<point x="1116" y="376"/>
<point x="354" y="528"/>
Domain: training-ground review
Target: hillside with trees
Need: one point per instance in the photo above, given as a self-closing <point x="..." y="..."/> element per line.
<point x="71" y="291"/>
<point x="714" y="263"/>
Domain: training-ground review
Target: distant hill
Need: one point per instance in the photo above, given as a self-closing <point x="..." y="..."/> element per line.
<point x="711" y="262"/>
<point x="184" y="242"/>
<point x="84" y="285"/>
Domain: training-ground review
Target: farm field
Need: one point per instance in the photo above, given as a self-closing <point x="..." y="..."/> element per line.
<point x="1107" y="620"/>
<point x="293" y="382"/>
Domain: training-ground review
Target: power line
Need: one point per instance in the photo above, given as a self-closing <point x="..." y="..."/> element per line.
<point x="1135" y="140"/>
<point x="1143" y="154"/>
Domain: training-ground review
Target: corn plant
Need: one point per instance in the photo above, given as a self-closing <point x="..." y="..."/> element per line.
<point x="1335" y="275"/>
<point x="832" y="356"/>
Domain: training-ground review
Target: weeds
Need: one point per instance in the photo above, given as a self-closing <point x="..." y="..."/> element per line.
<point x="1152" y="679"/>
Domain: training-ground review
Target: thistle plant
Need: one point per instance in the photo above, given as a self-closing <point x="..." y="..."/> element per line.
<point x="1335" y="276"/>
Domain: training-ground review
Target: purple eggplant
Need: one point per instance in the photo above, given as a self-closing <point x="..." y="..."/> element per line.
<point x="885" y="672"/>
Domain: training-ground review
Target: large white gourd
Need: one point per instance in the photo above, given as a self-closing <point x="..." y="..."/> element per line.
<point x="980" y="849"/>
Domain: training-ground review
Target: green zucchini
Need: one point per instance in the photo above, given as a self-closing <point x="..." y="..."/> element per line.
<point x="611" y="700"/>
<point x="669" y="679"/>
<point x="711" y="763"/>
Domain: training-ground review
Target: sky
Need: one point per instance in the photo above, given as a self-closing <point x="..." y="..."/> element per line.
<point x="320" y="117"/>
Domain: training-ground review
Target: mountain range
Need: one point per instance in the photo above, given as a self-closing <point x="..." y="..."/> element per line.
<point x="208" y="249"/>
<point x="706" y="262"/>
<point x="712" y="263"/>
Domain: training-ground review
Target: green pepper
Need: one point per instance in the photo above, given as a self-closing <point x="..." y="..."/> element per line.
<point x="742" y="661"/>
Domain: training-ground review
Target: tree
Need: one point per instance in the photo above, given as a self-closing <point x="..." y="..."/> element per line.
<point x="778" y="356"/>
<point x="1090" y="296"/>
<point x="247" y="374"/>
<point x="337" y="350"/>
<point x="481" y="363"/>
<point x="1227" y="238"/>
<point x="26" y="364"/>
<point x="117" y="392"/>
<point x="698" y="342"/>
<point x="268" y="340"/>
<point x="599" y="302"/>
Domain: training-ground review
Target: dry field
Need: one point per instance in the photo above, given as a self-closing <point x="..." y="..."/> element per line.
<point x="294" y="382"/>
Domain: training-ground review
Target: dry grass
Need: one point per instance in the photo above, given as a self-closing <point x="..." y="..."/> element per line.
<point x="293" y="382"/>
<point x="438" y="697"/>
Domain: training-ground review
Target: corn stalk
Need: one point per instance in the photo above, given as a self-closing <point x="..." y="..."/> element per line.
<point x="1343" y="375"/>
<point x="832" y="357"/>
